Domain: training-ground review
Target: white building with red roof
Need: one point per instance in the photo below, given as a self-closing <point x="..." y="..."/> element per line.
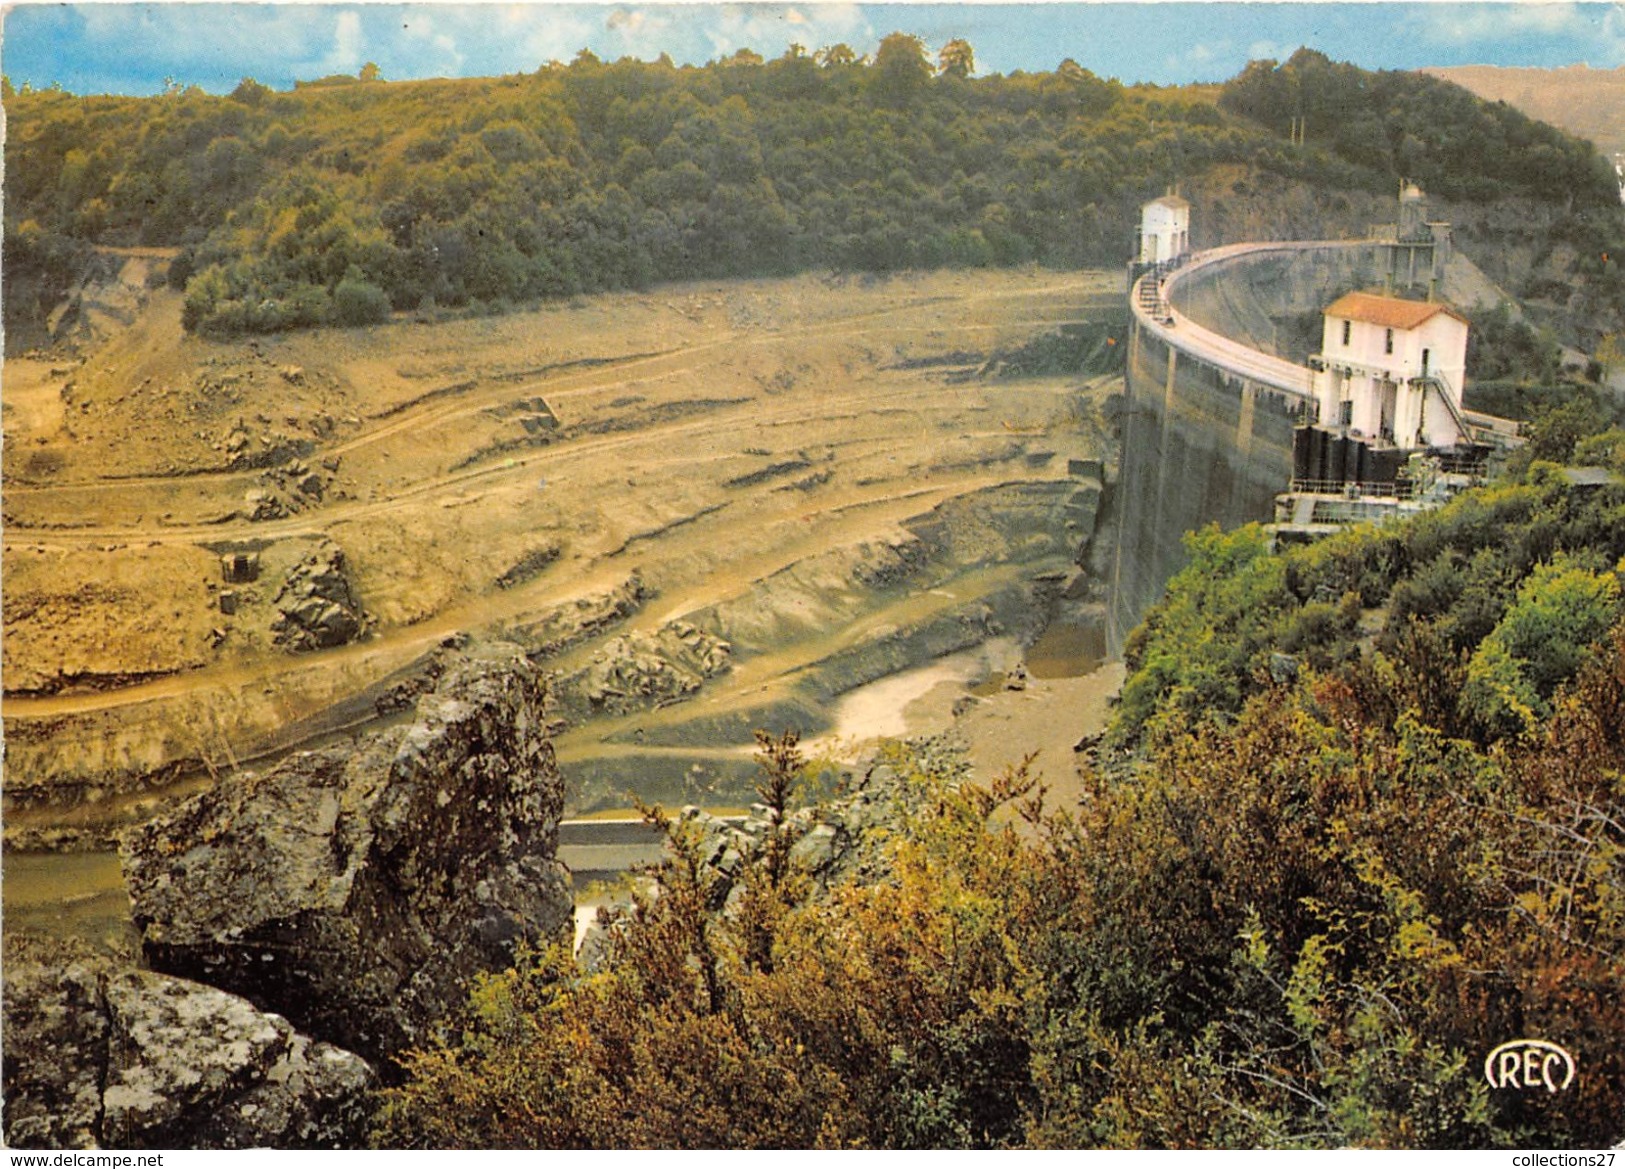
<point x="1392" y="371"/>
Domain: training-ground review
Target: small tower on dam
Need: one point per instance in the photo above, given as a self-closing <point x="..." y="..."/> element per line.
<point x="1418" y="248"/>
<point x="1162" y="242"/>
<point x="1165" y="232"/>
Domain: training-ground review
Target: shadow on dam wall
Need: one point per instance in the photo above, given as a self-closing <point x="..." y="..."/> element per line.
<point x="1244" y="295"/>
<point x="1200" y="446"/>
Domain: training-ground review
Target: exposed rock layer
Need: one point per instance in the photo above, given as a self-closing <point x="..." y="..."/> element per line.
<point x="639" y="670"/>
<point x="316" y="606"/>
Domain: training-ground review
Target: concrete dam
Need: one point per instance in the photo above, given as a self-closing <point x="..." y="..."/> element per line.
<point x="1216" y="381"/>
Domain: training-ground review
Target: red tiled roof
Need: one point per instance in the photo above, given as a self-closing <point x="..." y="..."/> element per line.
<point x="1388" y="311"/>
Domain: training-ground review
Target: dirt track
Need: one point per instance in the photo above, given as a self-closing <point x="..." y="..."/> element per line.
<point x="755" y="460"/>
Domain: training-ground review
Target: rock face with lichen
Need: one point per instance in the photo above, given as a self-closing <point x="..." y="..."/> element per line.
<point x="830" y="843"/>
<point x="103" y="1055"/>
<point x="358" y="891"/>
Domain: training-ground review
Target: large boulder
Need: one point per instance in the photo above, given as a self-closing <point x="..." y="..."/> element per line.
<point x="359" y="890"/>
<point x="316" y="606"/>
<point x="103" y="1055"/>
<point x="635" y="671"/>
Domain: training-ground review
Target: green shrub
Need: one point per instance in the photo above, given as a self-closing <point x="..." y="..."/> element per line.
<point x="357" y="301"/>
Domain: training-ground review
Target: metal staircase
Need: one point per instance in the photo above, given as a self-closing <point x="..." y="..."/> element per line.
<point x="1435" y="383"/>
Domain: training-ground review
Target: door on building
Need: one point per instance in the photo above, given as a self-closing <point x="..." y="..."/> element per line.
<point x="1390" y="402"/>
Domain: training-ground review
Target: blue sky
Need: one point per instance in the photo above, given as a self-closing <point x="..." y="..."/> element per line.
<point x="133" y="48"/>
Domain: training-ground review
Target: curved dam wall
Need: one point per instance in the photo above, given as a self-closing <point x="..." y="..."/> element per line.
<point x="1201" y="444"/>
<point x="1242" y="295"/>
<point x="1214" y="388"/>
<point x="1211" y="400"/>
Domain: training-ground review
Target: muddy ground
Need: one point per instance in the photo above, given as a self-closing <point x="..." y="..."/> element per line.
<point x="708" y="508"/>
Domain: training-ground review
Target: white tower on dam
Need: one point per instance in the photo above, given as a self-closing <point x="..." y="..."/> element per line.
<point x="1165" y="230"/>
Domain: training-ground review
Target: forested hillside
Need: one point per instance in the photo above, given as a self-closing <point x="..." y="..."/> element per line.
<point x="350" y="197"/>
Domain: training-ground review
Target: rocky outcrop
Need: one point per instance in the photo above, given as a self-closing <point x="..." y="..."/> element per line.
<point x="844" y="839"/>
<point x="639" y="670"/>
<point x="528" y="565"/>
<point x="569" y="623"/>
<point x="850" y="838"/>
<point x="890" y="560"/>
<point x="102" y="1055"/>
<point x="284" y="490"/>
<point x="359" y="890"/>
<point x="316" y="607"/>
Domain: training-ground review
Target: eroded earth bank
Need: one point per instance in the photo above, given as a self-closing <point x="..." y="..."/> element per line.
<point x="700" y="510"/>
<point x="280" y="617"/>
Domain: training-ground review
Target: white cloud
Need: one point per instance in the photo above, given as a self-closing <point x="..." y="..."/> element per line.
<point x="1270" y="51"/>
<point x="200" y="43"/>
<point x="1597" y="31"/>
<point x="556" y="34"/>
<point x="770" y="28"/>
<point x="640" y="32"/>
<point x="1609" y="44"/>
<point x="345" y="54"/>
<point x="425" y="49"/>
<point x="631" y="22"/>
<point x="213" y="44"/>
<point x="1451" y="24"/>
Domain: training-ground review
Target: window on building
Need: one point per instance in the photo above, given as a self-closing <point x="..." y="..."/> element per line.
<point x="1345" y="413"/>
<point x="1388" y="341"/>
<point x="1348" y="329"/>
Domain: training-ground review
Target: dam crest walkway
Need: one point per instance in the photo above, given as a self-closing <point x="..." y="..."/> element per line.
<point x="1151" y="301"/>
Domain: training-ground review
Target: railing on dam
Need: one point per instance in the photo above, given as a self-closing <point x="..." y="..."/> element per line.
<point x="1152" y="300"/>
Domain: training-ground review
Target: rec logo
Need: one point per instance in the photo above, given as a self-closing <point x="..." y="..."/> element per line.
<point x="1522" y="1064"/>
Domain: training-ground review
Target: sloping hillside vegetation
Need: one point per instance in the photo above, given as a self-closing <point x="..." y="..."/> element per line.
<point x="346" y="199"/>
<point x="1537" y="209"/>
<point x="1337" y="855"/>
<point x="1477" y="612"/>
<point x="1432" y="133"/>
